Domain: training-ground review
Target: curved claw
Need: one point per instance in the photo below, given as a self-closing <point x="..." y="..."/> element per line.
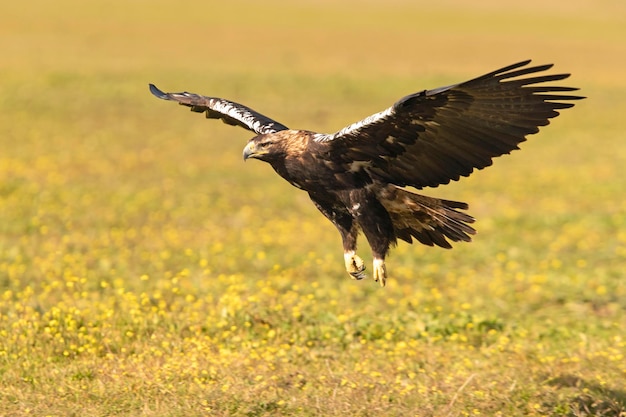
<point x="354" y="265"/>
<point x="380" y="272"/>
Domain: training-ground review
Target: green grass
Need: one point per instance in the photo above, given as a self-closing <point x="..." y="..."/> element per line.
<point x="145" y="270"/>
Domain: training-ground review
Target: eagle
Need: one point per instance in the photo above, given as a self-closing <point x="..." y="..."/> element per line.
<point x="358" y="176"/>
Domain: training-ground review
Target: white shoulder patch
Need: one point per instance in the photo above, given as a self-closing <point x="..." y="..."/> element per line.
<point x="374" y="118"/>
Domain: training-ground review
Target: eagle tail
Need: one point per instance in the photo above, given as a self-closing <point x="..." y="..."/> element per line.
<point x="431" y="221"/>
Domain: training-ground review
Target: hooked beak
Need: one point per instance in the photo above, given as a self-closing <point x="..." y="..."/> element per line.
<point x="251" y="151"/>
<point x="248" y="151"/>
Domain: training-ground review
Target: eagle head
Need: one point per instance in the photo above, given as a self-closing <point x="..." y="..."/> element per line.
<point x="272" y="147"/>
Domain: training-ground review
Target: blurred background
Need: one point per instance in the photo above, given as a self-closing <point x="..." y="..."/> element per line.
<point x="77" y="117"/>
<point x="106" y="191"/>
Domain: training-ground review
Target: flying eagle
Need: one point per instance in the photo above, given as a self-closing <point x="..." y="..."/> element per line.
<point x="356" y="176"/>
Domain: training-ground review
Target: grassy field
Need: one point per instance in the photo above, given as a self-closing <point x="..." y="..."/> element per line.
<point x="145" y="270"/>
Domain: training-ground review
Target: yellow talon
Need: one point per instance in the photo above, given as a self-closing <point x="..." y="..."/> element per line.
<point x="354" y="265"/>
<point x="380" y="272"/>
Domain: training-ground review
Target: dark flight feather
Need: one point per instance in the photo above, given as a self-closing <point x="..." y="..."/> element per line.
<point x="229" y="112"/>
<point x="435" y="136"/>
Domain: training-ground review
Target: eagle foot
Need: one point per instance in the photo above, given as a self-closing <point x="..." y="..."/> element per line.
<point x="380" y="272"/>
<point x="354" y="265"/>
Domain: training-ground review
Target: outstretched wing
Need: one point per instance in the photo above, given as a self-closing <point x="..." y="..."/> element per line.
<point x="432" y="137"/>
<point x="229" y="112"/>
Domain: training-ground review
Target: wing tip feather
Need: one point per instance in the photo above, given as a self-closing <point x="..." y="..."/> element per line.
<point x="158" y="93"/>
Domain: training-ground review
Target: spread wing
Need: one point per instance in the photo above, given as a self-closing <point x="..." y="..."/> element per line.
<point x="435" y="136"/>
<point x="229" y="112"/>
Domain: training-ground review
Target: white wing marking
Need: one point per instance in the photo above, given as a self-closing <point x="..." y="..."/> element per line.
<point x="374" y="118"/>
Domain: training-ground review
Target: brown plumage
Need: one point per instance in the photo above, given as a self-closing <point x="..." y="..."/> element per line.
<point x="355" y="176"/>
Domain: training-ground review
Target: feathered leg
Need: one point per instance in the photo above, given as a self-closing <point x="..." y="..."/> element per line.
<point x="343" y="221"/>
<point x="374" y="220"/>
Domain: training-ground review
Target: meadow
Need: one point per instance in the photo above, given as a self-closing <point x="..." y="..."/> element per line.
<point x="145" y="270"/>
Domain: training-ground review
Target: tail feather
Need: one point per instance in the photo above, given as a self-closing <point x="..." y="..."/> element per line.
<point x="431" y="221"/>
